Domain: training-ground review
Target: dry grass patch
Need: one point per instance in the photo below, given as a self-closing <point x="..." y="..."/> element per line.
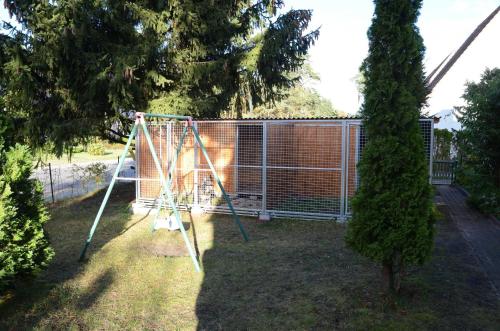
<point x="291" y="275"/>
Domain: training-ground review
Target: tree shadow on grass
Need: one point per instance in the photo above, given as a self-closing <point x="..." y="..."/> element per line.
<point x="300" y="275"/>
<point x="42" y="299"/>
<point x="283" y="278"/>
<point x="68" y="228"/>
<point x="71" y="223"/>
<point x="100" y="284"/>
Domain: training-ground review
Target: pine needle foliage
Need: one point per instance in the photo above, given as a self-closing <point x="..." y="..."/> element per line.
<point x="82" y="67"/>
<point x="392" y="211"/>
<point x="24" y="246"/>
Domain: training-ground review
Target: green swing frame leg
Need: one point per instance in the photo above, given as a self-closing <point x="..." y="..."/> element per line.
<point x="108" y="192"/>
<point x="219" y="183"/>
<point x="170" y="198"/>
<point x="214" y="172"/>
<point x="172" y="165"/>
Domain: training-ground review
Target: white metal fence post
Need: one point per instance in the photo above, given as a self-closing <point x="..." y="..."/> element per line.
<point x="343" y="172"/>
<point x="264" y="215"/>
<point x="196" y="201"/>
<point x="160" y="127"/>
<point x="431" y="150"/>
<point x="347" y="165"/>
<point x="236" y="161"/>
<point x="356" y="157"/>
<point x="137" y="166"/>
<point x="170" y="150"/>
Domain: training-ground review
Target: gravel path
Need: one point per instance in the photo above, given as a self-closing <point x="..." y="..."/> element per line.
<point x="480" y="231"/>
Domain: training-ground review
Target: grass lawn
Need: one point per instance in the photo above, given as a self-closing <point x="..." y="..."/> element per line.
<point x="291" y="275"/>
<point x="112" y="152"/>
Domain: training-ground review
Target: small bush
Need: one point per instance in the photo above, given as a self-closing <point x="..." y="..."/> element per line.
<point x="24" y="249"/>
<point x="96" y="171"/>
<point x="78" y="149"/>
<point x="96" y="148"/>
<point x="484" y="195"/>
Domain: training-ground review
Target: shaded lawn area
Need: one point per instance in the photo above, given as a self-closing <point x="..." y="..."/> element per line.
<point x="291" y="275"/>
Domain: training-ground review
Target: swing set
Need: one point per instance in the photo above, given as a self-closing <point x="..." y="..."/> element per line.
<point x="166" y="193"/>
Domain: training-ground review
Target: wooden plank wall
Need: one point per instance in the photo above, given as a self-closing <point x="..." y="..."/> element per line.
<point x="145" y="165"/>
<point x="219" y="139"/>
<point x="304" y="146"/>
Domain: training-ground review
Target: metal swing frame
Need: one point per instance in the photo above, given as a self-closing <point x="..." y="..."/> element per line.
<point x="166" y="193"/>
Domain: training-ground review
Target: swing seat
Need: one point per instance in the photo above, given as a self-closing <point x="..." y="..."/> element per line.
<point x="169" y="223"/>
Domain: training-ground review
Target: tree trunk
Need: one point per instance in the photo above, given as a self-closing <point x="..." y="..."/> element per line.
<point x="387" y="274"/>
<point x="392" y="273"/>
<point x="496" y="171"/>
<point x="397" y="268"/>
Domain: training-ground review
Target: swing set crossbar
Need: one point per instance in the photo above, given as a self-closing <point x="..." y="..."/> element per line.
<point x="166" y="193"/>
<point x="173" y="117"/>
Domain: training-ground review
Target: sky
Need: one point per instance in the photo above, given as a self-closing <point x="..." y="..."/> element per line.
<point x="444" y="25"/>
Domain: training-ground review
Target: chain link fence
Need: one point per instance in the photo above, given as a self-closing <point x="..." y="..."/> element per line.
<point x="67" y="181"/>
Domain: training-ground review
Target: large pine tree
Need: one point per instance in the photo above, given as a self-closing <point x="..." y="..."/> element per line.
<point x="80" y="67"/>
<point x="392" y="211"/>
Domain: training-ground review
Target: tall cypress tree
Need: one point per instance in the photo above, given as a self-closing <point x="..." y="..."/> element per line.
<point x="392" y="211"/>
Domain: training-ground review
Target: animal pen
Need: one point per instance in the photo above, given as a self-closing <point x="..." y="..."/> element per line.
<point x="303" y="168"/>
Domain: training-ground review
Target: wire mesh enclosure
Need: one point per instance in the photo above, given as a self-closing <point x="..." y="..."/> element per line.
<point x="282" y="168"/>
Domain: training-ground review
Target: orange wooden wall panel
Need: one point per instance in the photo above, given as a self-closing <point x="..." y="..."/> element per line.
<point x="288" y="145"/>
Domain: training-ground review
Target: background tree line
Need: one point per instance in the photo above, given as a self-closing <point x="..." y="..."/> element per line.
<point x="476" y="146"/>
<point x="478" y="143"/>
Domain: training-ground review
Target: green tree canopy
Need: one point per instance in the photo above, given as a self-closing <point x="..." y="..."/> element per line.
<point x="78" y="68"/>
<point x="442" y="144"/>
<point x="479" y="141"/>
<point x="301" y="100"/>
<point x="392" y="211"/>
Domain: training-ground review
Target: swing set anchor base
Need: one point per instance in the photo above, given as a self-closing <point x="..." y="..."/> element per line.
<point x="264" y="217"/>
